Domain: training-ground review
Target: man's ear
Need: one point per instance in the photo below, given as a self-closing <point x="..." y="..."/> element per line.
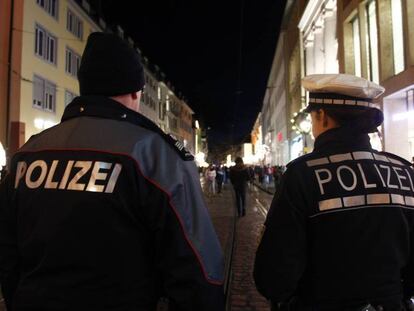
<point x="319" y="113"/>
<point x="134" y="95"/>
<point x="324" y="117"/>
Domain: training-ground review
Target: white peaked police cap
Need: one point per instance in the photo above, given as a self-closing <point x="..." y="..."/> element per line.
<point x="340" y="90"/>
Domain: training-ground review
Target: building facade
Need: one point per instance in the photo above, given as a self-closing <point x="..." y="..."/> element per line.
<point x="186" y="127"/>
<point x="373" y="39"/>
<point x="11" y="23"/>
<point x="43" y="41"/>
<point x="150" y="97"/>
<point x="275" y="129"/>
<point x="377" y="43"/>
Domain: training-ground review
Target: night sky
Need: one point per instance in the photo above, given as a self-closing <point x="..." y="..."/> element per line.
<point x="196" y="44"/>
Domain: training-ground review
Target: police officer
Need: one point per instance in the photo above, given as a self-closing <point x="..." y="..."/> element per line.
<point x="339" y="232"/>
<point x="104" y="211"/>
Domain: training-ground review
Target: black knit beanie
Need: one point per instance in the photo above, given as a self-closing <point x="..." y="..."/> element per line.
<point x="109" y="67"/>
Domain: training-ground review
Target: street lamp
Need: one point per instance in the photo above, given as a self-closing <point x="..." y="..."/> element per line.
<point x="301" y="123"/>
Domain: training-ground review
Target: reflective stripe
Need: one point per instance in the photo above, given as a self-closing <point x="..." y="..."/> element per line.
<point x="397" y="199"/>
<point x="380" y="157"/>
<point x="316" y="162"/>
<point x="340" y="157"/>
<point x="378" y="198"/>
<point x="350" y="102"/>
<point x="336" y="101"/>
<point x="395" y="161"/>
<point x="362" y="103"/>
<point x="409" y="201"/>
<point x="330" y="204"/>
<point x="354" y="200"/>
<point x="362" y="155"/>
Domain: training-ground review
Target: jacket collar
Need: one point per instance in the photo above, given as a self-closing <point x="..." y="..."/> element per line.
<point x="342" y="137"/>
<point x="105" y="107"/>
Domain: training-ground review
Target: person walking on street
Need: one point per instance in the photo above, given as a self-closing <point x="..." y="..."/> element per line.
<point x="339" y="234"/>
<point x="211" y="180"/>
<point x="239" y="176"/>
<point x="219" y="178"/>
<point x="104" y="211"/>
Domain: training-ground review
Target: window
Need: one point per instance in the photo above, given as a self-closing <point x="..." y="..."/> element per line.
<point x="74" y="24"/>
<point x="44" y="94"/>
<point x="72" y="62"/>
<point x="372" y="41"/>
<point x="50" y="6"/>
<point x="69" y="96"/>
<point x="357" y="47"/>
<point x="160" y="110"/>
<point x="45" y="44"/>
<point x="397" y="35"/>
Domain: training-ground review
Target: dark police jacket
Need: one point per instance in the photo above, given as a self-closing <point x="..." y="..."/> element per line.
<point x="340" y="228"/>
<point x="105" y="212"/>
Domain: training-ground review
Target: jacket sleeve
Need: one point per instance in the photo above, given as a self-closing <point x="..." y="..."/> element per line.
<point x="8" y="244"/>
<point x="188" y="256"/>
<point x="281" y="256"/>
<point x="407" y="274"/>
<point x="408" y="271"/>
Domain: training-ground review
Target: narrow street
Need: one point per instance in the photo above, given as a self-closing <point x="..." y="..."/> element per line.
<point x="242" y="293"/>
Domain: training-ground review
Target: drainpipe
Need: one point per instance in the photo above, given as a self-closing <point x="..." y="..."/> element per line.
<point x="9" y="77"/>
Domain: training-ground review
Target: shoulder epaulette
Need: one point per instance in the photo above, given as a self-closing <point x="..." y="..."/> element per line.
<point x="179" y="147"/>
<point x="299" y="159"/>
<point x="392" y="155"/>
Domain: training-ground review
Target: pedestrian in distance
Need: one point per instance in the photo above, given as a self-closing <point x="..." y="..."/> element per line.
<point x="277" y="175"/>
<point x="339" y="234"/>
<point x="104" y="211"/>
<point x="219" y="178"/>
<point x="239" y="176"/>
<point x="211" y="180"/>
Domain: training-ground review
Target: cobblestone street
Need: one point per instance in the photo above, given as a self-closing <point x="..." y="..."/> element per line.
<point x="242" y="291"/>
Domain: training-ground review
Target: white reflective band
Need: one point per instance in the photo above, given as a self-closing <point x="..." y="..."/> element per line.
<point x="362" y="103"/>
<point x="378" y="198"/>
<point x="356" y="200"/>
<point x="380" y="157"/>
<point x="409" y="201"/>
<point x="316" y="162"/>
<point x="340" y="157"/>
<point x="350" y="102"/>
<point x="362" y="155"/>
<point x="330" y="204"/>
<point x="397" y="199"/>
<point x="395" y="161"/>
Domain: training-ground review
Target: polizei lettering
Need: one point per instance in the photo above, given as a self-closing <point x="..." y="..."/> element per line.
<point x="93" y="176"/>
<point x="356" y="176"/>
